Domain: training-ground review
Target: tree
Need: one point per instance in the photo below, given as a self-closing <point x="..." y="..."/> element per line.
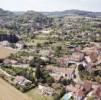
<point x="38" y="45"/>
<point x="30" y="76"/>
<point x="38" y="73"/>
<point x="58" y="50"/>
<point x="65" y="81"/>
<point x="36" y="61"/>
<point x="81" y="68"/>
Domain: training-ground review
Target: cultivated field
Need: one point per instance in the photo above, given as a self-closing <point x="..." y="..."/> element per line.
<point x="5" y="52"/>
<point x="8" y="92"/>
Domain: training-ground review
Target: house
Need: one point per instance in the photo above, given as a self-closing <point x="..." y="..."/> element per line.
<point x="79" y="95"/>
<point x="76" y="91"/>
<point x="63" y="61"/>
<point x="20" y="45"/>
<point x="87" y="86"/>
<point x="91" y="57"/>
<point x="79" y="90"/>
<point x="6" y="62"/>
<point x="77" y="57"/>
<point x="99" y="59"/>
<point x="97" y="92"/>
<point x="96" y="44"/>
<point x="89" y="49"/>
<point x="60" y="71"/>
<point x="10" y="62"/>
<point x="46" y="90"/>
<point x="22" y="81"/>
<point x="5" y="43"/>
<point x="71" y="88"/>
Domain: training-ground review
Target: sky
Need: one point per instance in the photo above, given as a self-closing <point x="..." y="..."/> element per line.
<point x="50" y="5"/>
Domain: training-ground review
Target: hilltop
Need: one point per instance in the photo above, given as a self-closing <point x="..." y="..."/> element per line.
<point x="72" y="13"/>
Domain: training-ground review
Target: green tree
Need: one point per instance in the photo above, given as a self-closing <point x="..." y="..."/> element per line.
<point x="38" y="73"/>
<point x="36" y="61"/>
<point x="58" y="50"/>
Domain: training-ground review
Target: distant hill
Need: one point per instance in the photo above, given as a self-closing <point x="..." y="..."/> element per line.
<point x="5" y="13"/>
<point x="51" y="14"/>
<point x="24" y="22"/>
<point x="72" y="13"/>
<point x="32" y="21"/>
<point x="31" y="15"/>
<point x="19" y="13"/>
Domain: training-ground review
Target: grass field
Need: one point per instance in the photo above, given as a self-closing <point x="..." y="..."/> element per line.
<point x="8" y="92"/>
<point x="5" y="52"/>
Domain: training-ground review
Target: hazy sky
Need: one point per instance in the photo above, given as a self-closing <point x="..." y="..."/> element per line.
<point x="50" y="5"/>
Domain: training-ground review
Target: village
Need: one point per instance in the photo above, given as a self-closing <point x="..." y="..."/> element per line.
<point x="51" y="58"/>
<point x="68" y="77"/>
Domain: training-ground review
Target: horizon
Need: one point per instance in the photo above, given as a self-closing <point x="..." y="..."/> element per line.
<point x="51" y="6"/>
<point x="51" y="11"/>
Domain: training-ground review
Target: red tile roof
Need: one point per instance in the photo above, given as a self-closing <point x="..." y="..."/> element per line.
<point x="98" y="92"/>
<point x="60" y="69"/>
<point x="77" y="56"/>
<point x="87" y="86"/>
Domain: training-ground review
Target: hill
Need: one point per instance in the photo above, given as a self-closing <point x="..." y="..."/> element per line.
<point x="5" y="13"/>
<point x="23" y="22"/>
<point x="72" y="13"/>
